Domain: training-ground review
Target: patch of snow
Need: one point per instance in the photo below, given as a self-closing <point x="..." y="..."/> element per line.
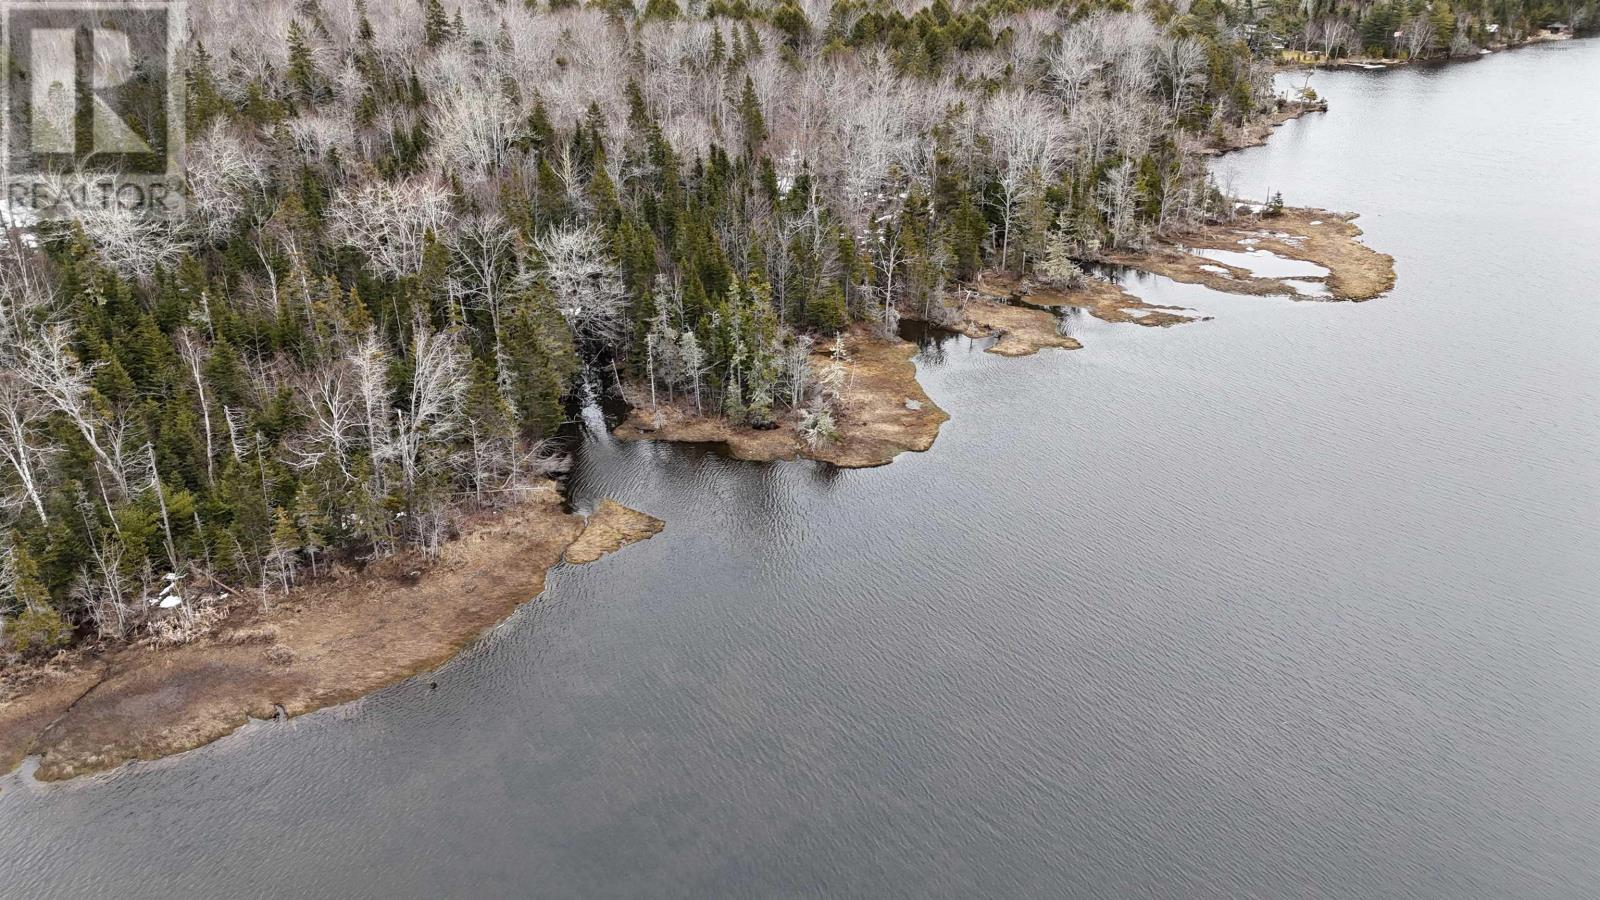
<point x="913" y="405"/>
<point x="171" y="602"/>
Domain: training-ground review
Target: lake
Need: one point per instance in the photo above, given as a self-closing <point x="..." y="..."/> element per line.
<point x="1297" y="602"/>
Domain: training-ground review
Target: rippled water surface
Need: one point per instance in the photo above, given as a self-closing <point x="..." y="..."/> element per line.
<point x="1297" y="602"/>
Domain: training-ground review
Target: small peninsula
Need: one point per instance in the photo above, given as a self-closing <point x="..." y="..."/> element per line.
<point x="330" y="642"/>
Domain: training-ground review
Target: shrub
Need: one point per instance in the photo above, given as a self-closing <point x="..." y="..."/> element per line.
<point x="38" y="631"/>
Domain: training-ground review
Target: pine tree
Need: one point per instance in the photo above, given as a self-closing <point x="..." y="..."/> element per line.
<point x="1058" y="265"/>
<point x="37" y="628"/>
<point x="437" y="27"/>
<point x="755" y="124"/>
<point x="719" y="48"/>
<point x="205" y="102"/>
<point x="311" y="524"/>
<point x="302" y="70"/>
<point x="542" y="361"/>
<point x="25" y="584"/>
<point x="364" y="31"/>
<point x="282" y="561"/>
<point x="663" y="10"/>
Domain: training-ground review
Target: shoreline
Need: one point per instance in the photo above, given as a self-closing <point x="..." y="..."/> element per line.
<point x="885" y="412"/>
<point x="1322" y="238"/>
<point x="888" y="413"/>
<point x="328" y="642"/>
<point x="1378" y="63"/>
<point x="1256" y="134"/>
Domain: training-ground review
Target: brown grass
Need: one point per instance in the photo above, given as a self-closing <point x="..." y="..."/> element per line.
<point x="324" y="644"/>
<point x="611" y="527"/>
<point x="1101" y="299"/>
<point x="1020" y="330"/>
<point x="1331" y="240"/>
<point x="886" y="413"/>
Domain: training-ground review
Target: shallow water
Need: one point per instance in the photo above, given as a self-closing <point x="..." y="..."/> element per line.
<point x="1263" y="263"/>
<point x="1297" y="602"/>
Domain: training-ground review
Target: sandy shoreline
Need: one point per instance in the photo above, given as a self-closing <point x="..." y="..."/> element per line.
<point x="326" y="643"/>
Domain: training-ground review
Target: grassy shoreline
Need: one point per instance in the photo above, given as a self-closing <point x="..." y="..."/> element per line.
<point x="885" y="411"/>
<point x="326" y="643"/>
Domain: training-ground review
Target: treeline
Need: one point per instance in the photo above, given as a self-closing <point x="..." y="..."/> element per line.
<point x="411" y="226"/>
<point x="1412" y="29"/>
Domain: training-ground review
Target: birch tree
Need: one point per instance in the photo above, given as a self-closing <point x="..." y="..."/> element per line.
<point x="574" y="265"/>
<point x="484" y="247"/>
<point x="432" y="413"/>
<point x="1119" y="205"/>
<point x="390" y="223"/>
<point x="1029" y="142"/>
<point x="224" y="177"/>
<point x="24" y="441"/>
<point x="50" y="367"/>
<point x="194" y="354"/>
<point x="1181" y="63"/>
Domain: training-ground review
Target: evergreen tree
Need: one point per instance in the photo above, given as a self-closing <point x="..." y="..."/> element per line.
<point x="542" y="361"/>
<point x="755" y="124"/>
<point x="302" y="70"/>
<point x="437" y="26"/>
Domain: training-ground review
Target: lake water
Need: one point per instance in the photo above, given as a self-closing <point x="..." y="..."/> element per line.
<point x="1299" y="602"/>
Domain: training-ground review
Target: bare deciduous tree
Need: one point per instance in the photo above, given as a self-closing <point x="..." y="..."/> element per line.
<point x="127" y="240"/>
<point x="1335" y="35"/>
<point x="1029" y="141"/>
<point x="574" y="265"/>
<point x="1119" y="205"/>
<point x="439" y="378"/>
<point x="485" y="252"/>
<point x="1419" y="34"/>
<point x="337" y="419"/>
<point x="1181" y="63"/>
<point x="390" y="223"/>
<point x="224" y="176"/>
<point x="24" y="441"/>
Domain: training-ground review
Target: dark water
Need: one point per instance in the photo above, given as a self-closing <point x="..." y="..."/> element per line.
<point x="1300" y="602"/>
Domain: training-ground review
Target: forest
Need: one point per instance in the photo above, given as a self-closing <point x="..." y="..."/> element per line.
<point x="414" y="231"/>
